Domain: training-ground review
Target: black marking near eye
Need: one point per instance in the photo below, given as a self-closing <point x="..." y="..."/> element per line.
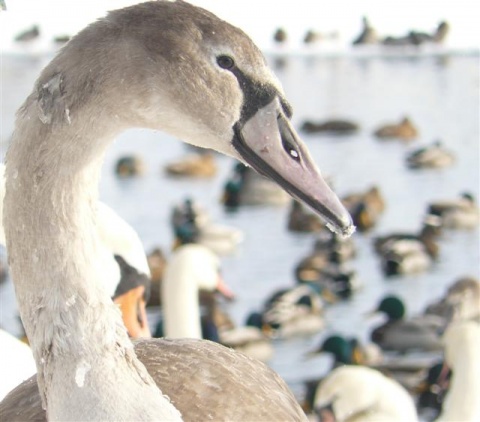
<point x="225" y="62"/>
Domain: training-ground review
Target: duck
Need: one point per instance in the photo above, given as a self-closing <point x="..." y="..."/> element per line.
<point x="246" y="187"/>
<point x="16" y="362"/>
<point x="350" y="351"/>
<point x="461" y="213"/>
<point x="290" y="312"/>
<point x="192" y="224"/>
<point x="280" y="36"/>
<point x="416" y="38"/>
<point x="461" y="301"/>
<point x="365" y="207"/>
<point x="194" y="165"/>
<point x="360" y="394"/>
<point x="408" y="253"/>
<point x="127" y="274"/>
<point x="333" y="126"/>
<point x="129" y="166"/>
<point x="225" y="98"/>
<point x="430" y="156"/>
<point x="29" y="34"/>
<point x="325" y="268"/>
<point x="368" y="35"/>
<point x="401" y="334"/>
<point x="301" y="220"/>
<point x="430" y="392"/>
<point x="405" y="130"/>
<point x="462" y="348"/>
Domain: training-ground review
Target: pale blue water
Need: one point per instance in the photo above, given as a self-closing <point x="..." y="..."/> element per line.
<point x="441" y="95"/>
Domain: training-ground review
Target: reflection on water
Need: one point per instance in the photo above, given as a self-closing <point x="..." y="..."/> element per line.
<point x="439" y="95"/>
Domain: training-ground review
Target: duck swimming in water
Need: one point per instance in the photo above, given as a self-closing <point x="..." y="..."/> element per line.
<point x="160" y="65"/>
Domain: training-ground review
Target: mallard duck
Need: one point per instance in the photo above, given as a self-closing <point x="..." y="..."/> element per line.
<point x="431" y="156"/>
<point x="404" y="130"/>
<point x="404" y="253"/>
<point x="191" y="224"/>
<point x="365" y="207"/>
<point x="197" y="165"/>
<point x="129" y="166"/>
<point x="302" y="220"/>
<point x="290" y="312"/>
<point x="462" y="213"/>
<point x="335" y="127"/>
<point x="368" y="35"/>
<point x="401" y="334"/>
<point x="29" y="34"/>
<point x="460" y="302"/>
<point x="247" y="187"/>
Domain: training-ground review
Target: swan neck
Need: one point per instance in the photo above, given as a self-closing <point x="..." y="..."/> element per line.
<point x="57" y="263"/>
<point x="181" y="303"/>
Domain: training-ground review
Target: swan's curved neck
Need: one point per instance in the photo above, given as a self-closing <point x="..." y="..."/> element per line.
<point x="56" y="258"/>
<point x="181" y="304"/>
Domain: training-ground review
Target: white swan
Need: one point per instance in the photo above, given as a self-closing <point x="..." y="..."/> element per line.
<point x="361" y="394"/>
<point x="161" y="65"/>
<point x="191" y="268"/>
<point x="126" y="275"/>
<point x="462" y="351"/>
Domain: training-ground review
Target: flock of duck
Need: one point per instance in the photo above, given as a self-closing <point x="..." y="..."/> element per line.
<point x="81" y="317"/>
<point x="369" y="36"/>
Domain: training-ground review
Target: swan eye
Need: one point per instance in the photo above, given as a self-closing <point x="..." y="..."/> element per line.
<point x="291" y="150"/>
<point x="225" y="62"/>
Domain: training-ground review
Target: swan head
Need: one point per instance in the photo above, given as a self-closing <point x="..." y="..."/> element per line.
<point x="175" y="67"/>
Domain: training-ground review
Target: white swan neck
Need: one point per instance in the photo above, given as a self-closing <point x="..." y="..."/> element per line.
<point x="181" y="308"/>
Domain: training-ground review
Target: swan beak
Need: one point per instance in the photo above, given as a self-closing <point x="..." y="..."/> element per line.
<point x="224" y="290"/>
<point x="132" y="305"/>
<point x="326" y="413"/>
<point x="270" y="145"/>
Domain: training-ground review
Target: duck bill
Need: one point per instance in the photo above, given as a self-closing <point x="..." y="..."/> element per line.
<point x="269" y="144"/>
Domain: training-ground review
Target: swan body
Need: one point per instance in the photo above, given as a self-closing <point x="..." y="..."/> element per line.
<point x="360" y="394"/>
<point x="197" y="366"/>
<point x="122" y="72"/>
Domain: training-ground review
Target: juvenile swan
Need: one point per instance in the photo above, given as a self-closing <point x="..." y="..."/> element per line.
<point x="161" y="65"/>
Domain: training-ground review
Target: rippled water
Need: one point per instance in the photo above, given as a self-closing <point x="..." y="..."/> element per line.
<point x="441" y="95"/>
